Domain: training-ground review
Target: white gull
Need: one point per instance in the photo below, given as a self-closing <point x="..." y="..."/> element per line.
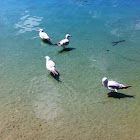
<point x="43" y="35"/>
<point x="113" y="85"/>
<point x="50" y="65"/>
<point x="64" y="42"/>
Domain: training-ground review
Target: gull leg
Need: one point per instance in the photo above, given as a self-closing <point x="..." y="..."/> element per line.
<point x="54" y="72"/>
<point x="116" y="90"/>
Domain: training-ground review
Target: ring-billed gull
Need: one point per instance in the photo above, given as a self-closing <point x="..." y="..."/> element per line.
<point x="113" y="85"/>
<point x="64" y="42"/>
<point x="50" y="65"/>
<point x="43" y="35"/>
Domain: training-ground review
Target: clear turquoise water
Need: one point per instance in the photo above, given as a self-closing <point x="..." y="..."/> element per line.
<point x="33" y="105"/>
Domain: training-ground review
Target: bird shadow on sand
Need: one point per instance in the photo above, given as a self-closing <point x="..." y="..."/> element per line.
<point x="46" y="42"/>
<point x="66" y="50"/>
<point x="119" y="95"/>
<point x="56" y="77"/>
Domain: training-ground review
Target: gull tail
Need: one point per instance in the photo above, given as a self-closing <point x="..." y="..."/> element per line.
<point x="57" y="44"/>
<point x="126" y="87"/>
<point x="49" y="39"/>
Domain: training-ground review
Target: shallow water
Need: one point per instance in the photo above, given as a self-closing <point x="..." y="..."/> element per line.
<point x="34" y="105"/>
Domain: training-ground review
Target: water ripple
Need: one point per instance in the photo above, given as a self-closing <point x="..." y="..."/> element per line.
<point x="28" y="23"/>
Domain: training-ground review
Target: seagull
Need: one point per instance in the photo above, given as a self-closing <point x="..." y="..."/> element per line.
<point x="113" y="85"/>
<point x="50" y="65"/>
<point x="43" y="35"/>
<point x="64" y="42"/>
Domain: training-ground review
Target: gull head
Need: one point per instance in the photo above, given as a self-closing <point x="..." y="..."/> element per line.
<point x="41" y="30"/>
<point x="67" y="36"/>
<point x="104" y="81"/>
<point x="47" y="58"/>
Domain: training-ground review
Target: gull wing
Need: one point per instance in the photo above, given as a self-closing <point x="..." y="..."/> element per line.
<point x="64" y="42"/>
<point x="44" y="35"/>
<point x="114" y="85"/>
